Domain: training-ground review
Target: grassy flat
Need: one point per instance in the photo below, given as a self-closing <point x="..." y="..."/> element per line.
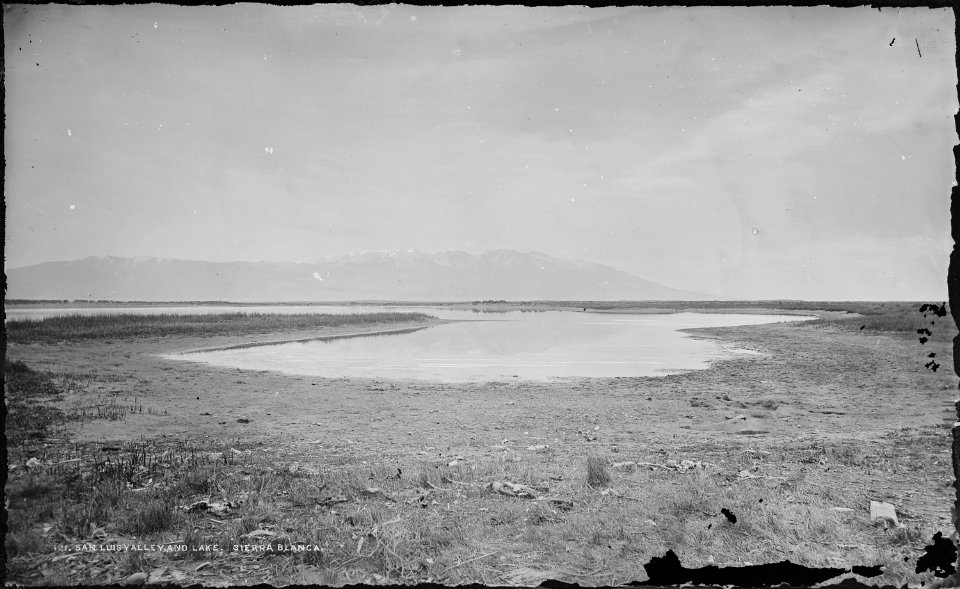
<point x="402" y="482"/>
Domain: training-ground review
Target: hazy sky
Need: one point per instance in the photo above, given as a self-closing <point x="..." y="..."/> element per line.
<point x="749" y="152"/>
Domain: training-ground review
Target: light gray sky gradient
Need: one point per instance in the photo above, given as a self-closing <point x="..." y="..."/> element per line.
<point x="747" y="152"/>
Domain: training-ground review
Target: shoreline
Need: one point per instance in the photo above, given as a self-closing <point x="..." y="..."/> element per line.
<point x="146" y="362"/>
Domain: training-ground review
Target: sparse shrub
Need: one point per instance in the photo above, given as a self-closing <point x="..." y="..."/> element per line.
<point x="846" y="454"/>
<point x="45" y="509"/>
<point x="193" y="541"/>
<point x="262" y="485"/>
<point x="597" y="537"/>
<point x="105" y="497"/>
<point x="24" y="542"/>
<point x="200" y="547"/>
<point x="597" y="474"/>
<point x="542" y="515"/>
<point x="321" y="577"/>
<point x="905" y="536"/>
<point x="133" y="562"/>
<point x="29" y="487"/>
<point x="78" y="521"/>
<point x="196" y="480"/>
<point x="150" y="516"/>
<point x="692" y="496"/>
<point x="247" y="524"/>
<point x="423" y="476"/>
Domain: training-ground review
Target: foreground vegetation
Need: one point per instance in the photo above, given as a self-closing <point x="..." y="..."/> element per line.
<point x="222" y="503"/>
<point x="125" y="325"/>
<point x="592" y="512"/>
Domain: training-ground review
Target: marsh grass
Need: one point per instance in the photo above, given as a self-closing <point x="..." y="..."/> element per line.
<point x="901" y="318"/>
<point x="30" y="397"/>
<point x="124" y="326"/>
<point x="34" y="405"/>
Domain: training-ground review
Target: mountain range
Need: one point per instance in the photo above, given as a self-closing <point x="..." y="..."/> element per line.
<point x="367" y="276"/>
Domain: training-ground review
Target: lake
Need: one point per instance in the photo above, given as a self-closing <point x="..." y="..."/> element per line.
<point x="503" y="346"/>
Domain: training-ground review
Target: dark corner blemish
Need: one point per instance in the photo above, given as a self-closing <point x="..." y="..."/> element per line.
<point x="667" y="570"/>
<point x="874" y="571"/>
<point x="925" y="334"/>
<point x="938" y="310"/>
<point x="553" y="584"/>
<point x="940" y="557"/>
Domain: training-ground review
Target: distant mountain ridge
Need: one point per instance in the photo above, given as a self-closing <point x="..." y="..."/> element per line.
<point x="377" y="275"/>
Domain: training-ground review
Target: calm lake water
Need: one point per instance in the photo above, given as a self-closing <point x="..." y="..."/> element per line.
<point x="504" y="346"/>
<point x="478" y="346"/>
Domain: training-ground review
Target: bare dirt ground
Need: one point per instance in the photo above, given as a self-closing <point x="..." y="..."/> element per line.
<point x="855" y="414"/>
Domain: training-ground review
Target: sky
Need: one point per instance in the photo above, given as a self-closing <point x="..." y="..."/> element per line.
<point x="772" y="152"/>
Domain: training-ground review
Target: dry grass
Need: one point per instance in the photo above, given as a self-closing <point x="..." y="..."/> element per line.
<point x="440" y="523"/>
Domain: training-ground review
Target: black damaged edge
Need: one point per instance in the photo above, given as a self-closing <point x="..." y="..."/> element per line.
<point x="953" y="293"/>
<point x="3" y="330"/>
